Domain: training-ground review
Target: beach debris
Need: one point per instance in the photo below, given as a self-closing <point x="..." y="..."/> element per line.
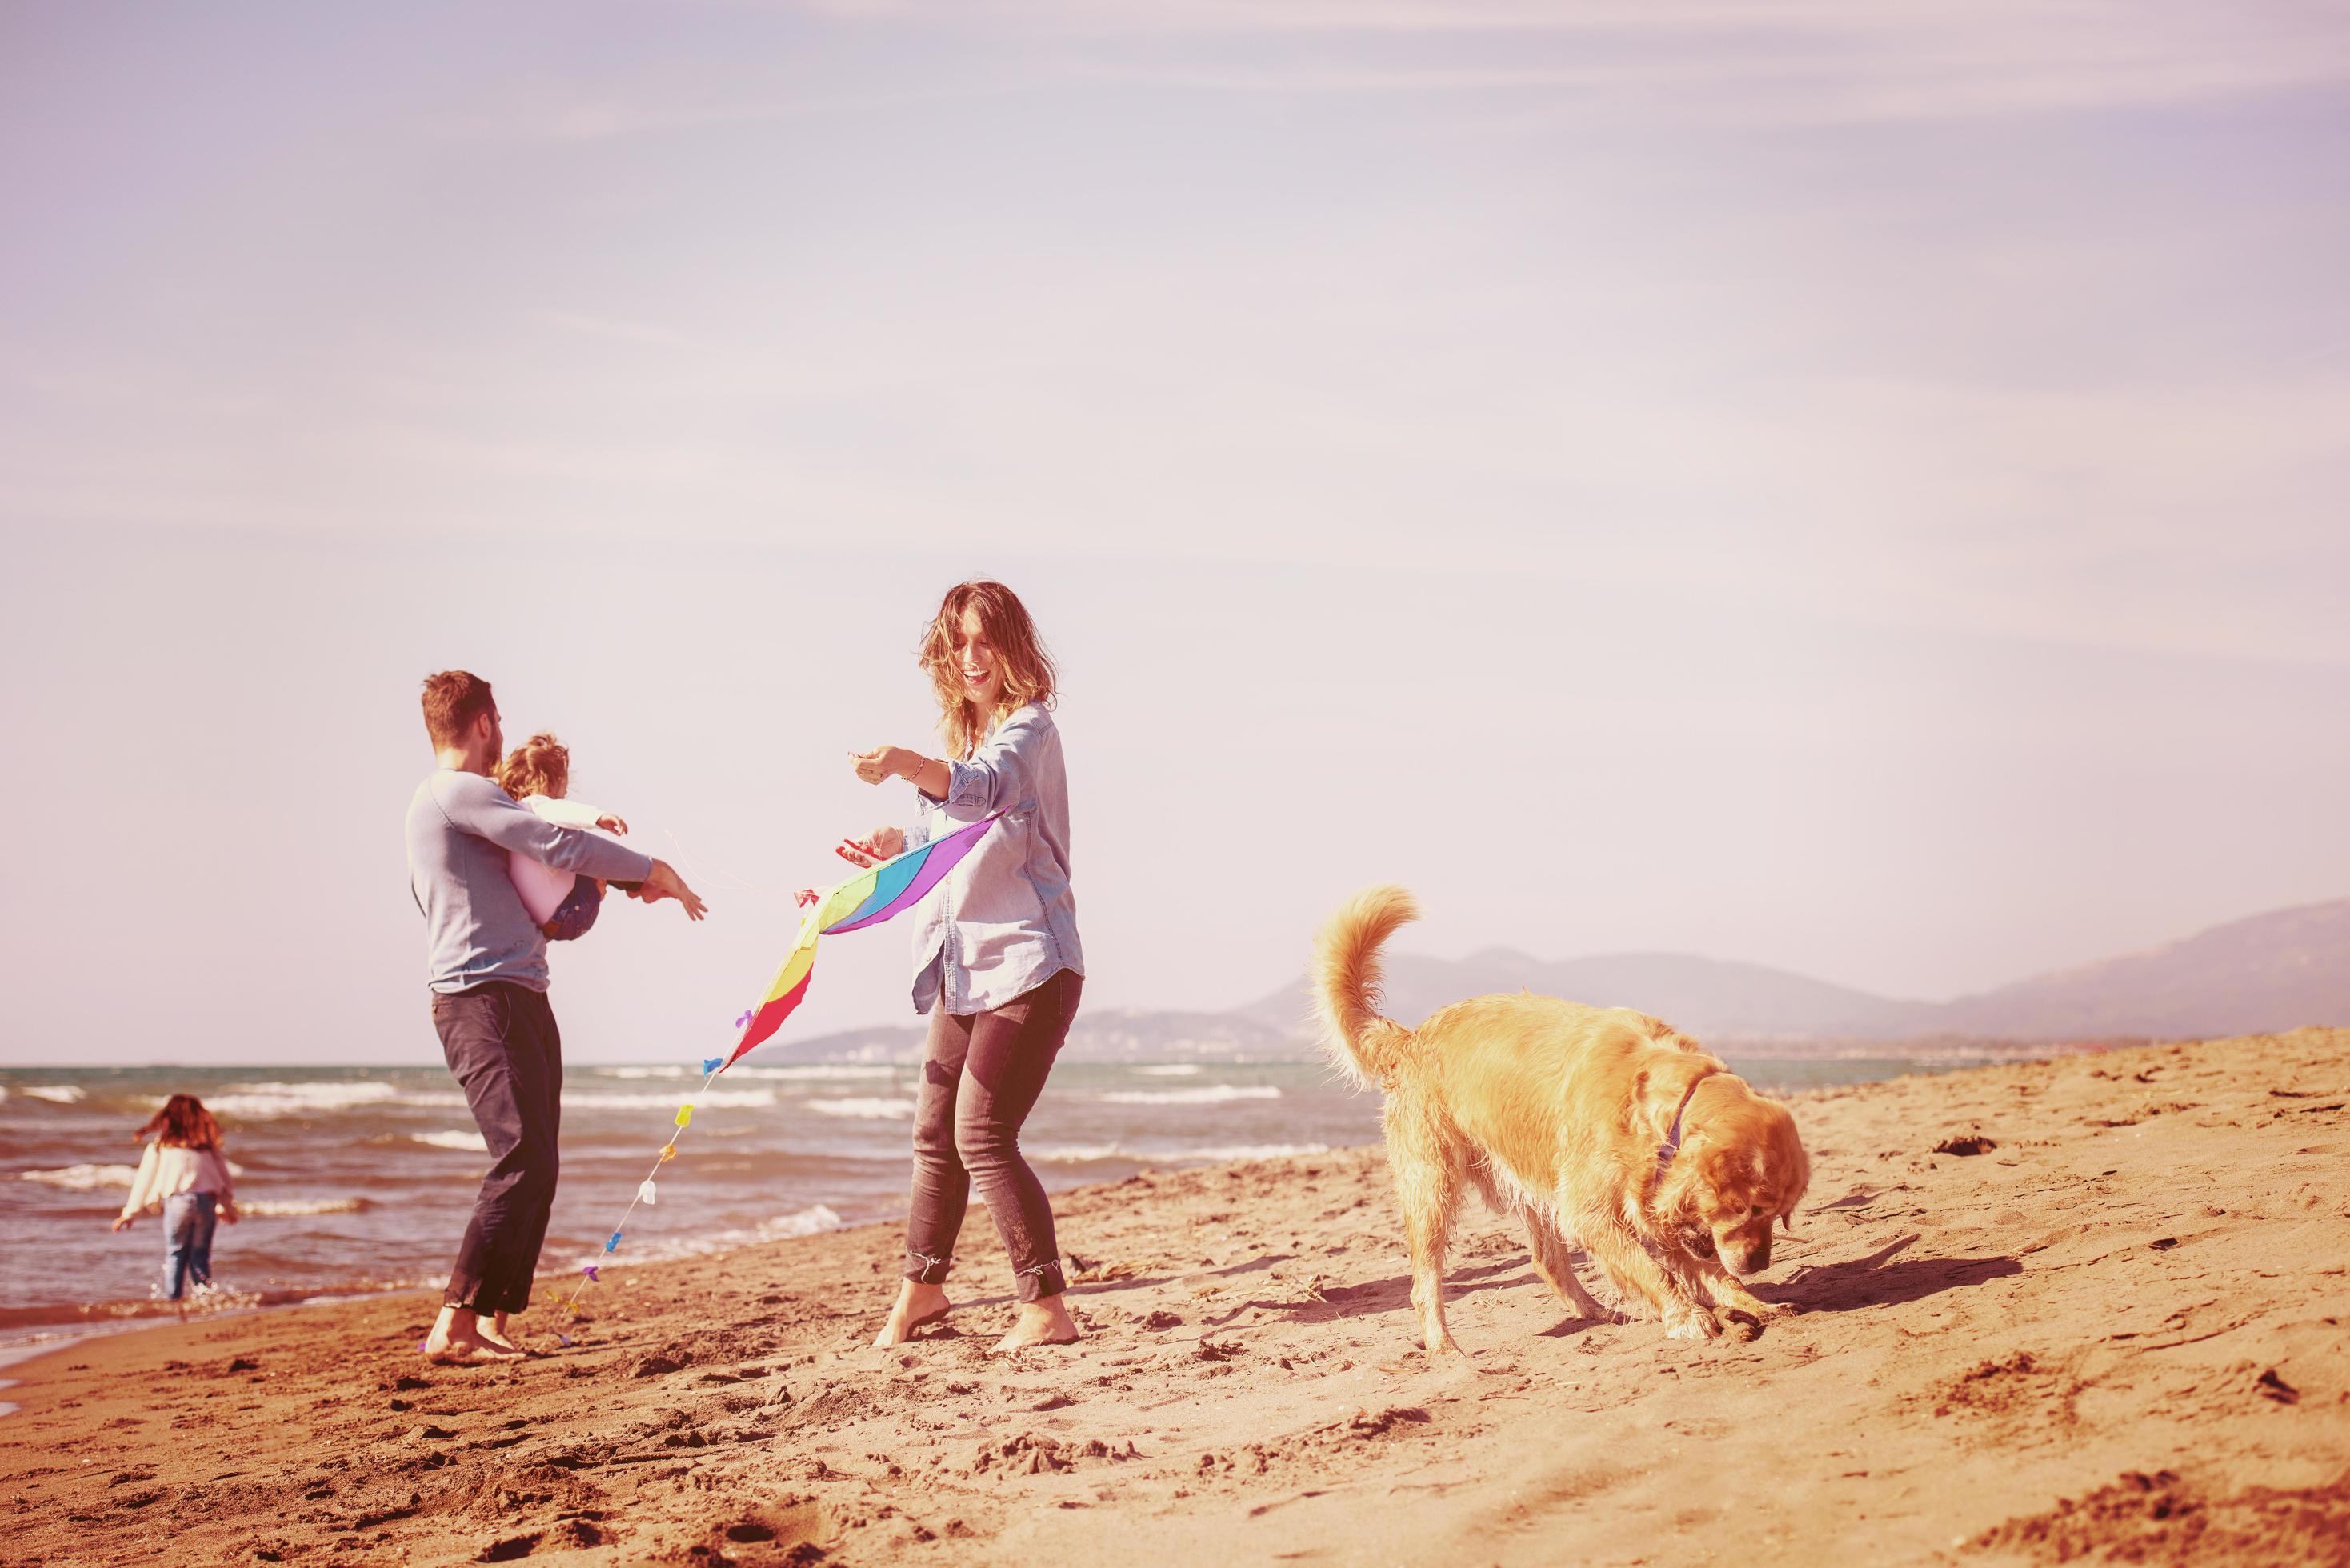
<point x="1163" y="1318"/>
<point x="1972" y="1144"/>
<point x="509" y="1549"/>
<point x="2272" y="1386"/>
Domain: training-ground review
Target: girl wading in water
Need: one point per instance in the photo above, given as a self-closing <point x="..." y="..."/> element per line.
<point x="996" y="961"/>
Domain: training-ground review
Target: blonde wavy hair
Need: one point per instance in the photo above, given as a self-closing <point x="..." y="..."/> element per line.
<point x="1029" y="672"/>
<point x="540" y="765"/>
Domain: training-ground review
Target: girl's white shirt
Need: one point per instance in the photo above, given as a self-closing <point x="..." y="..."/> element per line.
<point x="542" y="887"/>
<point x="166" y="1170"/>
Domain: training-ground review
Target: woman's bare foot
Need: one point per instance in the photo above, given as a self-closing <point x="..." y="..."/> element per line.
<point x="496" y="1332"/>
<point x="918" y="1306"/>
<point x="1046" y="1321"/>
<point x="457" y="1338"/>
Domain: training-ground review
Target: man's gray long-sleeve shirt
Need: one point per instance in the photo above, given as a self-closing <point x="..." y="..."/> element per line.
<point x="461" y="827"/>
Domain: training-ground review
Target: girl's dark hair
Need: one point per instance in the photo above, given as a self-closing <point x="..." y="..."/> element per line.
<point x="183" y="1123"/>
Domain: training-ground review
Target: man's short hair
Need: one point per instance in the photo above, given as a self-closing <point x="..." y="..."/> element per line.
<point x="453" y="700"/>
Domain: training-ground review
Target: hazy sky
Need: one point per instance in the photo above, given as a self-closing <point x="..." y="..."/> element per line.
<point x="1849" y="486"/>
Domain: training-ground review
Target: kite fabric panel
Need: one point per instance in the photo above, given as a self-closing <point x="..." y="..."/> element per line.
<point x="866" y="900"/>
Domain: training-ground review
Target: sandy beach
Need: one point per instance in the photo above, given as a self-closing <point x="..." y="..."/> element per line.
<point x="2091" y="1307"/>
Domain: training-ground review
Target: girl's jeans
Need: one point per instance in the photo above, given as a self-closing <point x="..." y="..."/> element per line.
<point x="188" y="1221"/>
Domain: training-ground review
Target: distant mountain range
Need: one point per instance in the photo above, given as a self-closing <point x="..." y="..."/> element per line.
<point x="2269" y="973"/>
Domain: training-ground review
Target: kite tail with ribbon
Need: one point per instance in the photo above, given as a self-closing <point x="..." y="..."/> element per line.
<point x="868" y="898"/>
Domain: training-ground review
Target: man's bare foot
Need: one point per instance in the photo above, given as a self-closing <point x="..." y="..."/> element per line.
<point x="457" y="1339"/>
<point x="918" y="1306"/>
<point x="1046" y="1321"/>
<point x="499" y="1336"/>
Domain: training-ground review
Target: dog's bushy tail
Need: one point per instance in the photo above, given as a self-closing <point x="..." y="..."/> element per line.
<point x="1346" y="980"/>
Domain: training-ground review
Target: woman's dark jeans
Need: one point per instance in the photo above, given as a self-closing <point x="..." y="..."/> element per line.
<point x="188" y="1221"/>
<point x="981" y="1076"/>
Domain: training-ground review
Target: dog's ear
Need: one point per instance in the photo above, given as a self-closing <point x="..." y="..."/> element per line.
<point x="1787" y="1220"/>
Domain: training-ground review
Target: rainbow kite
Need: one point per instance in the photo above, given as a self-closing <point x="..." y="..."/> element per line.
<point x="863" y="900"/>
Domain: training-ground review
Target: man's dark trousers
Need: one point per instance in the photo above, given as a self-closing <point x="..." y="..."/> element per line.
<point x="502" y="1044"/>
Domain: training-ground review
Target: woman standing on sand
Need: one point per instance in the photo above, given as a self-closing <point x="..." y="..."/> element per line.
<point x="996" y="961"/>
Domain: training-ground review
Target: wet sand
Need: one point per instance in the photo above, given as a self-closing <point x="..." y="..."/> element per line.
<point x="2093" y="1307"/>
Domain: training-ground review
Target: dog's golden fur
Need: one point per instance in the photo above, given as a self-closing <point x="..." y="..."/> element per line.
<point x="1559" y="1112"/>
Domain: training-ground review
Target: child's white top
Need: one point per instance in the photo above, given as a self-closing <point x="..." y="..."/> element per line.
<point x="166" y="1170"/>
<point x="542" y="887"/>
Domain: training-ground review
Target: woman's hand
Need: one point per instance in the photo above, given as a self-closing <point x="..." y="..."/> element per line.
<point x="228" y="1211"/>
<point x="122" y="1221"/>
<point x="882" y="844"/>
<point x="884" y="762"/>
<point x="611" y="823"/>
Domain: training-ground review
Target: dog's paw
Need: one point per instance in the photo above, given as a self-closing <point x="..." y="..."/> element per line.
<point x="1445" y="1347"/>
<point x="1693" y="1325"/>
<point x="1780" y="1309"/>
<point x="1743" y="1325"/>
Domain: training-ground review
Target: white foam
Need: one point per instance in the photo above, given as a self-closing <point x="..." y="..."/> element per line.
<point x="819" y="1071"/>
<point x="281" y="1207"/>
<point x="263" y="1101"/>
<point x="1171" y="1070"/>
<point x="82" y="1177"/>
<point x="1076" y="1153"/>
<point x="1213" y="1094"/>
<point x="1237" y="1153"/>
<point x="806" y="1221"/>
<point x="57" y="1094"/>
<point x="671" y="1101"/>
<point x="1170" y="1154"/>
<point x="641" y="1072"/>
<point x="470" y="1142"/>
<point x="870" y="1110"/>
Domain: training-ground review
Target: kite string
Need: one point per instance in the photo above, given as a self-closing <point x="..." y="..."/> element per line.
<point x="668" y="1152"/>
<point x="686" y="863"/>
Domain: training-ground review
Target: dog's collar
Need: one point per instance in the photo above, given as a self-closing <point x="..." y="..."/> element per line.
<point x="1672" y="1143"/>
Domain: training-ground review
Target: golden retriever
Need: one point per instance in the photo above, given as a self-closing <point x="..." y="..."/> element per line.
<point x="1604" y="1129"/>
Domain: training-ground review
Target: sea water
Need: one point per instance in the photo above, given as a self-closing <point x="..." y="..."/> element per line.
<point x="360" y="1179"/>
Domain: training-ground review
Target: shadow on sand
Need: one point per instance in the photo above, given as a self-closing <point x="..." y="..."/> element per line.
<point x="1882" y="1279"/>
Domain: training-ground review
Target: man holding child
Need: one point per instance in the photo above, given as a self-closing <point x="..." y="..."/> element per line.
<point x="487" y="960"/>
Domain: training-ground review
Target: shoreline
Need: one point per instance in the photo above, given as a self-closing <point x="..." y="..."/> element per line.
<point x="2118" y="1326"/>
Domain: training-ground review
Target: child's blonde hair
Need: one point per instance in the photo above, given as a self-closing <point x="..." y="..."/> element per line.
<point x="540" y="765"/>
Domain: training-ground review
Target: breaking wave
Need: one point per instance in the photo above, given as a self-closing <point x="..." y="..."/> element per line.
<point x="470" y="1142"/>
<point x="866" y="1110"/>
<point x="1214" y="1094"/>
<point x="82" y="1177"/>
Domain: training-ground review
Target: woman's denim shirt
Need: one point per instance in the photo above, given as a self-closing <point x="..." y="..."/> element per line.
<point x="1005" y="920"/>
